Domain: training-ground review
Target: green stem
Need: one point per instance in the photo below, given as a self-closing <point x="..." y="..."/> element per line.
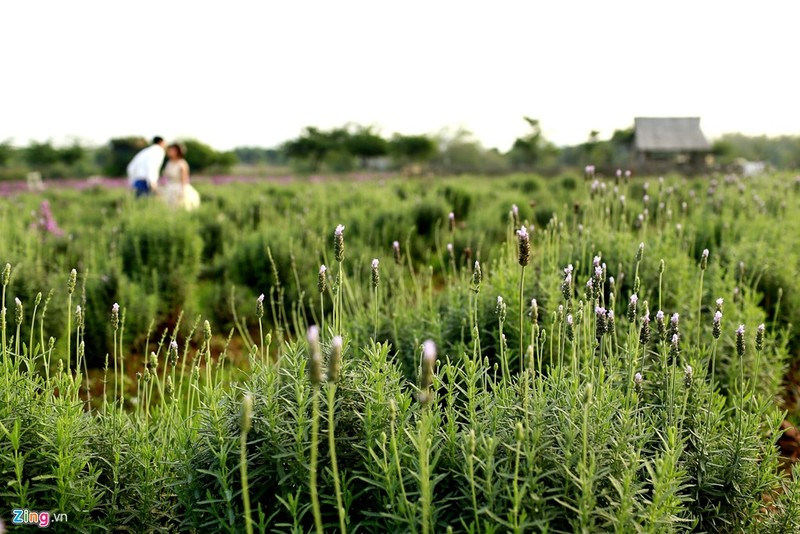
<point x="332" y="451"/>
<point x="69" y="332"/>
<point x="424" y="475"/>
<point x="315" y="508"/>
<point x="248" y="518"/>
<point x="521" y="320"/>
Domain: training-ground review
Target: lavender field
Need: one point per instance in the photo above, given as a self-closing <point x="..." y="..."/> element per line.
<point x="518" y="354"/>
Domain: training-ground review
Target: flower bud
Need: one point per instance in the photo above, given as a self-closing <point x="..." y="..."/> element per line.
<point x="500" y="309"/>
<point x="172" y="353"/>
<point x="71" y="281"/>
<point x="335" y="359"/>
<point x="376" y="275"/>
<point x="477" y="276"/>
<point x="426" y="373"/>
<point x="19" y="314"/>
<point x="397" y="257"/>
<point x="260" y="306"/>
<point x="632" y="307"/>
<point x="115" y="316"/>
<point x="704" y="260"/>
<point x="314" y="356"/>
<point x="760" y="337"/>
<point x="322" y="281"/>
<point x="338" y="243"/>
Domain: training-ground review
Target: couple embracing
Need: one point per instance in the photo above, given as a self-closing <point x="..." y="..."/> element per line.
<point x="144" y="172"/>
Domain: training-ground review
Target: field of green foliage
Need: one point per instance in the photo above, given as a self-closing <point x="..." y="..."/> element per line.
<point x="469" y="354"/>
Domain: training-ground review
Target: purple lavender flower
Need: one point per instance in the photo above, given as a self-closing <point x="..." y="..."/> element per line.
<point x="570" y="327"/>
<point x="740" y="343"/>
<point x="704" y="260"/>
<point x="260" y="306"/>
<point x="601" y="321"/>
<point x="674" y="346"/>
<point x="760" y="337"/>
<point x="674" y="324"/>
<point x="376" y="276"/>
<point x="534" y="311"/>
<point x="523" y="246"/>
<point x="688" y="376"/>
<point x="451" y="218"/>
<point x="661" y="327"/>
<point x="632" y="306"/>
<point x="719" y="303"/>
<point x="566" y="286"/>
<point x="716" y="327"/>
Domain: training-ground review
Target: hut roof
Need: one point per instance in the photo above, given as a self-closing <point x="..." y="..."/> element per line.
<point x="669" y="134"/>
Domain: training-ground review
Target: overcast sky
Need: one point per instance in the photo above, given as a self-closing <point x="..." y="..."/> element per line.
<point x="254" y="73"/>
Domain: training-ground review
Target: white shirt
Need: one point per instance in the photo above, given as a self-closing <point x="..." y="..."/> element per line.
<point x="146" y="165"/>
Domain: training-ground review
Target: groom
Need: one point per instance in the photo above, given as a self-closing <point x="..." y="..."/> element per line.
<point x="145" y="168"/>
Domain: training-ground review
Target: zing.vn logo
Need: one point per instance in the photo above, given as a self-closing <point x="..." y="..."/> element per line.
<point x="20" y="516"/>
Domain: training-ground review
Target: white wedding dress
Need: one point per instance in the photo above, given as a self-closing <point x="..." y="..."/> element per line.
<point x="176" y="193"/>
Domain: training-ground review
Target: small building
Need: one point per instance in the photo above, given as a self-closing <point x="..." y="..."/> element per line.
<point x="670" y="141"/>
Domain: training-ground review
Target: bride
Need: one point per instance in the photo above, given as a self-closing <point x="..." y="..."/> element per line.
<point x="178" y="192"/>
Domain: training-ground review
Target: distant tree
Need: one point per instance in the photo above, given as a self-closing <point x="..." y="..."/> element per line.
<point x="623" y="138"/>
<point x="120" y="152"/>
<point x="41" y="155"/>
<point x="6" y="151"/>
<point x="365" y="144"/>
<point x="412" y="148"/>
<point x="532" y="149"/>
<point x="201" y="157"/>
<point x="460" y="153"/>
<point x="311" y="146"/>
<point x="72" y="154"/>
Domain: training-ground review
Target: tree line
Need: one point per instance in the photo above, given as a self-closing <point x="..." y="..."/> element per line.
<point x="355" y="147"/>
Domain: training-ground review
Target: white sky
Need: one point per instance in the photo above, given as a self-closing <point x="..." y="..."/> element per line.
<point x="255" y="72"/>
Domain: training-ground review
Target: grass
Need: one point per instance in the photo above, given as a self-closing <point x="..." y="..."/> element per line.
<point x="435" y="412"/>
